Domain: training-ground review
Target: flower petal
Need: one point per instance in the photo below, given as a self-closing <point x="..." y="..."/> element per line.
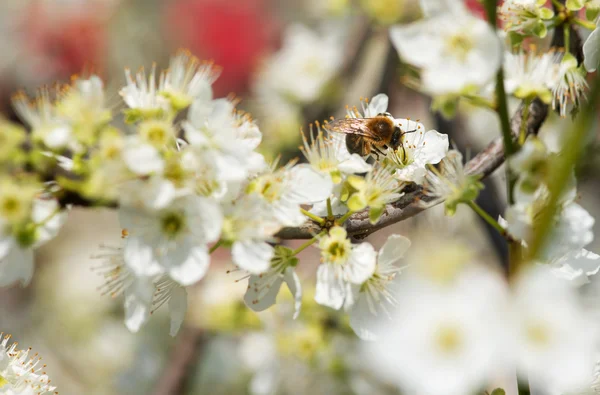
<point x="138" y="303"/>
<point x="189" y="264"/>
<point x="393" y="250"/>
<point x="293" y="282"/>
<point x="591" y="51"/>
<point x="16" y="266"/>
<point x="377" y="105"/>
<point x="361" y="264"/>
<point x="253" y="256"/>
<point x="263" y="290"/>
<point x="331" y="289"/>
<point x="309" y="186"/>
<point x="177" y="308"/>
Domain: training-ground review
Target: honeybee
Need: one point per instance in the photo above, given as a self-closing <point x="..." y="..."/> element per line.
<point x="369" y="135"/>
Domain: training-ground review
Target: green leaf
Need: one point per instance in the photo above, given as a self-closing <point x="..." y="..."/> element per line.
<point x="356" y="202"/>
<point x="515" y="39"/>
<point x="575" y="5"/>
<point x="540" y="30"/>
<point x="375" y="213"/>
<point x="546" y="13"/>
<point x="498" y="391"/>
<point x="592" y="13"/>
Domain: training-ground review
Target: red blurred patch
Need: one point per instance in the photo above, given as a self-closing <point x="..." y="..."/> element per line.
<point x="236" y="36"/>
<point x="67" y="44"/>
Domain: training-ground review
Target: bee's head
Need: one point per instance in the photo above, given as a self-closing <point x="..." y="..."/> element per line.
<point x="395" y="141"/>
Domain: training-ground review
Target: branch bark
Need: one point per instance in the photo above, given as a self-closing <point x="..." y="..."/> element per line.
<point x="410" y="204"/>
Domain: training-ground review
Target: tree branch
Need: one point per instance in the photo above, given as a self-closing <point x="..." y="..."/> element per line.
<point x="410" y="204"/>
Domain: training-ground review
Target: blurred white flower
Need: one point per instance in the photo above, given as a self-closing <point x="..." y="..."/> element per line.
<point x="141" y="95"/>
<point x="187" y="79"/>
<point x="83" y="105"/>
<point x="448" y="337"/>
<point x="306" y="62"/>
<point x="530" y="74"/>
<point x="263" y="288"/>
<point x="16" y="250"/>
<point x="172" y="240"/>
<point x="454" y="49"/>
<point x="342" y="264"/>
<point x="375" y="297"/>
<point x="21" y="374"/>
<point x="285" y="189"/>
<point x="47" y="126"/>
<point x="556" y="338"/>
<point x="572" y="228"/>
<point x="142" y="158"/>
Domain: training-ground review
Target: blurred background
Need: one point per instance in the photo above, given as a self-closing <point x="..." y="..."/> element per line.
<point x="289" y="62"/>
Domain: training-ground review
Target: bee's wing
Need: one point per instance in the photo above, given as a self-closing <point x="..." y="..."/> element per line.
<point x="357" y="126"/>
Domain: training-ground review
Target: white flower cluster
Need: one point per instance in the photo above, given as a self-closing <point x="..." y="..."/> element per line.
<point x="458" y="326"/>
<point x="572" y="227"/>
<point x="20" y="373"/>
<point x="191" y="184"/>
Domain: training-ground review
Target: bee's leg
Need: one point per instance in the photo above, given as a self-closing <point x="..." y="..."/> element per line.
<point x="378" y="151"/>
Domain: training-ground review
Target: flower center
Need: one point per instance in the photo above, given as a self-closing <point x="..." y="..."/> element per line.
<point x="459" y="46"/>
<point x="172" y="224"/>
<point x="10" y="206"/>
<point x="537" y="334"/>
<point x="337" y="251"/>
<point x="448" y="339"/>
<point x="3" y="381"/>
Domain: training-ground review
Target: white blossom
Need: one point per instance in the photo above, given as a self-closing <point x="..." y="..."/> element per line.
<point x="187" y="79"/>
<point x="172" y="240"/>
<point x="264" y="288"/>
<point x="448" y="337"/>
<point x="329" y="155"/>
<point x="142" y="95"/>
<point x="42" y="116"/>
<point x="249" y="227"/>
<point x="342" y="264"/>
<point x="143" y="295"/>
<point x="215" y="126"/>
<point x="283" y="191"/>
<point x="20" y="373"/>
<point x="304" y="65"/>
<point x="375" y="296"/>
<point x="16" y="251"/>
<point x="454" y="50"/>
<point x="142" y="158"/>
<point x="450" y="183"/>
<point x="418" y="149"/>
